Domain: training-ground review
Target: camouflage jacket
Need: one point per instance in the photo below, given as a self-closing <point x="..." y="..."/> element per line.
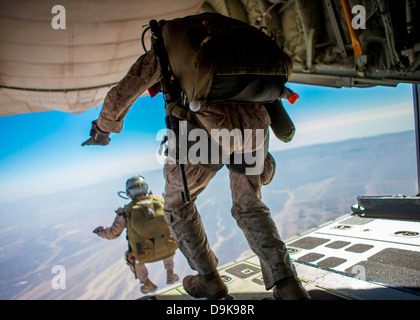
<point x="144" y="74"/>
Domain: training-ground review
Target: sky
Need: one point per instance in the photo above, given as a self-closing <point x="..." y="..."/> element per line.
<point x="41" y="152"/>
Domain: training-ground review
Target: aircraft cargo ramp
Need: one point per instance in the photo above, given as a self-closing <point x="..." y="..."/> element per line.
<point x="358" y="256"/>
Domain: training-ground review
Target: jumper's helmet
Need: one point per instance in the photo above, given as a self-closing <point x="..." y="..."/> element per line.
<point x="136" y="185"/>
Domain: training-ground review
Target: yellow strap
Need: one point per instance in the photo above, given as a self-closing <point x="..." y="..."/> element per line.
<point x="357" y="47"/>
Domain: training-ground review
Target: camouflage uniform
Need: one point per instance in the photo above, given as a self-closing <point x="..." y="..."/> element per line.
<point x="139" y="269"/>
<point x="251" y="214"/>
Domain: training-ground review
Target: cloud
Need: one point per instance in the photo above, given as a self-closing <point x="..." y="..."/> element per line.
<point x="80" y="171"/>
<point x="58" y="169"/>
<point x="352" y="124"/>
<point x="370" y="115"/>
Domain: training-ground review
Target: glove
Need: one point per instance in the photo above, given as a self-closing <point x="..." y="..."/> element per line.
<point x="96" y="230"/>
<point x="97" y="136"/>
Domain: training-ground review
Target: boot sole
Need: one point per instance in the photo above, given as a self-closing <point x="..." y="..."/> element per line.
<point x="172" y="281"/>
<point x="301" y="295"/>
<point x="217" y="296"/>
<point x="148" y="291"/>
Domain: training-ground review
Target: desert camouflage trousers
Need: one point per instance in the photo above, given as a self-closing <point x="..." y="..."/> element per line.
<point x="140" y="270"/>
<point x="250" y="213"/>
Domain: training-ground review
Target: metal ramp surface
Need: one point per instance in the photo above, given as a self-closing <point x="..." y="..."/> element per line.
<point x="350" y="258"/>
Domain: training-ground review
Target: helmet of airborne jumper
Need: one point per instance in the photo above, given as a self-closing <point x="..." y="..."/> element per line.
<point x="134" y="186"/>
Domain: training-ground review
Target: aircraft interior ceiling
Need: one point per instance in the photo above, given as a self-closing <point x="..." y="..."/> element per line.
<point x="44" y="66"/>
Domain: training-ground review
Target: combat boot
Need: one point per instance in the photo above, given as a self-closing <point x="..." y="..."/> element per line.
<point x="148" y="286"/>
<point x="210" y="286"/>
<point x="290" y="289"/>
<point x="171" y="277"/>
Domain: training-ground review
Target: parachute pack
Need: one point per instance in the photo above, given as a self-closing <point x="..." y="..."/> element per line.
<point x="220" y="59"/>
<point x="148" y="233"/>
